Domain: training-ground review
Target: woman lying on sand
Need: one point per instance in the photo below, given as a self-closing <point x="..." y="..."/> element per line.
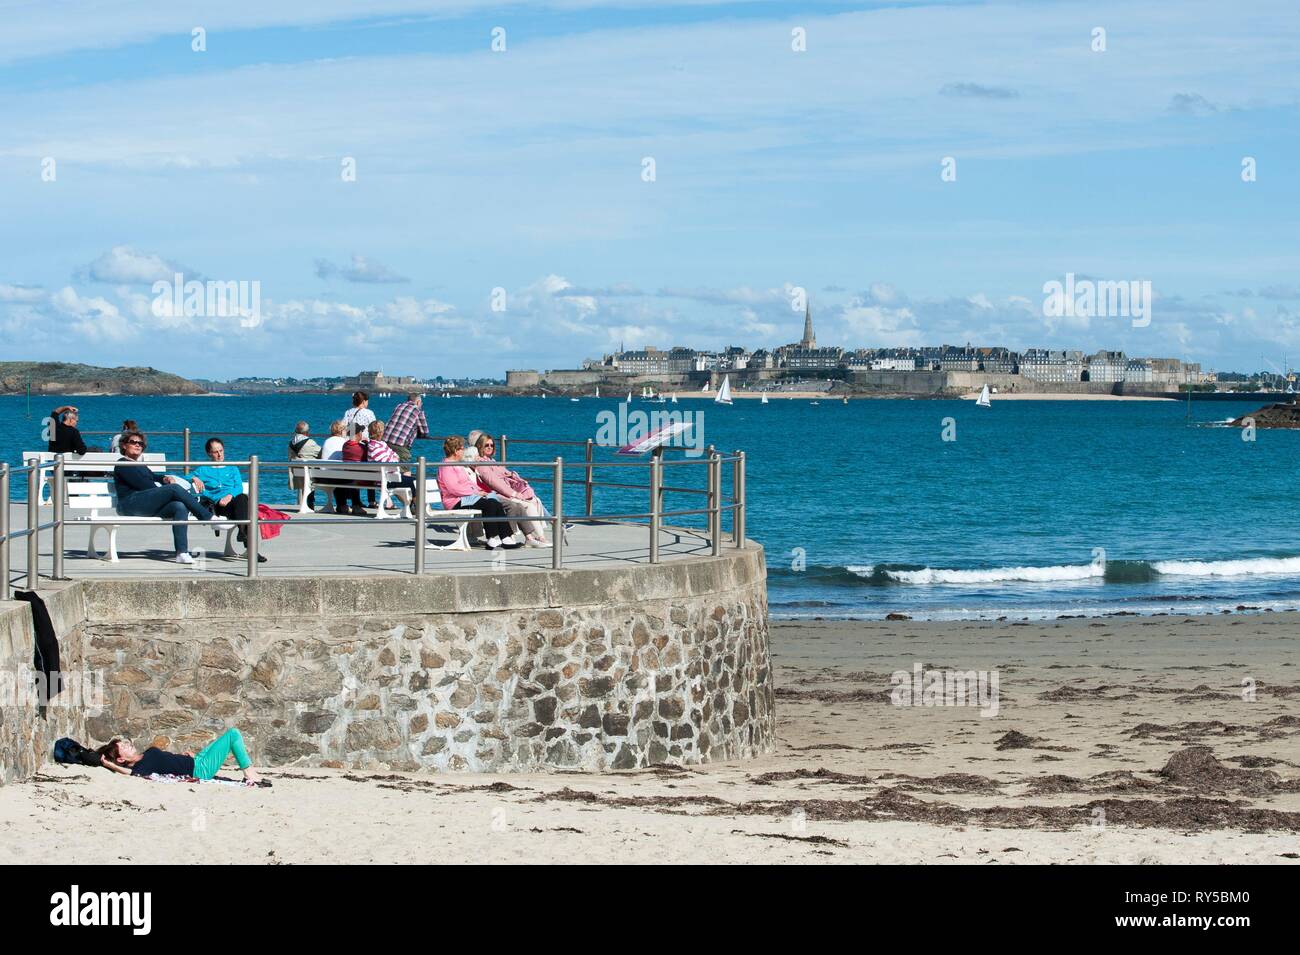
<point x="121" y="757"/>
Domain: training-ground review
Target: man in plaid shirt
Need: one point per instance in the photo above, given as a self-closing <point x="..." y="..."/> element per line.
<point x="406" y="424"/>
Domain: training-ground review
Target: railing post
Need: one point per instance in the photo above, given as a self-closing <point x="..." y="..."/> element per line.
<point x="503" y="449"/>
<point x="587" y="479"/>
<point x="421" y="479"/>
<point x="557" y="512"/>
<point x="60" y="494"/>
<point x="4" y="532"/>
<point x="715" y="503"/>
<point x="33" y="513"/>
<point x="185" y="448"/>
<point x="251" y="534"/>
<point x="738" y="491"/>
<point x="656" y="481"/>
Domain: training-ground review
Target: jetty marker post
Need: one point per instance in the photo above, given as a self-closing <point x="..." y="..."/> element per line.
<point x="251" y="532"/>
<point x="33" y="511"/>
<point x="4" y="532"/>
<point x="60" y="490"/>
<point x="557" y="531"/>
<point x="421" y="479"/>
<point x="656" y="482"/>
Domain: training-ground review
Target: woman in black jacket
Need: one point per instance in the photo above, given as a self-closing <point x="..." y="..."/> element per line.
<point x="142" y="493"/>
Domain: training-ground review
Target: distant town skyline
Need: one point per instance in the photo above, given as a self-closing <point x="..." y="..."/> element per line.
<point x="407" y="187"/>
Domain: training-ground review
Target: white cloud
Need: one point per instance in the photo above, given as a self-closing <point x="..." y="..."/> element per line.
<point x="124" y="265"/>
<point x="361" y="269"/>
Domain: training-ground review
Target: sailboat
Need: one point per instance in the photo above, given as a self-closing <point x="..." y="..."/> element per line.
<point x="597" y="394"/>
<point x="629" y="396"/>
<point x="983" y="399"/>
<point x="674" y="399"/>
<point x="724" y="393"/>
<point x="705" y="389"/>
<point x="763" y="400"/>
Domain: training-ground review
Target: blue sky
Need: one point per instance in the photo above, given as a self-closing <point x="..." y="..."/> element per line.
<point x="522" y="170"/>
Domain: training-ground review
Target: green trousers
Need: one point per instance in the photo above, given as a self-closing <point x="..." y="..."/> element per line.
<point x="210" y="760"/>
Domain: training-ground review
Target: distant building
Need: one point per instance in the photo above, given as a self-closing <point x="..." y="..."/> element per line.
<point x="369" y="381"/>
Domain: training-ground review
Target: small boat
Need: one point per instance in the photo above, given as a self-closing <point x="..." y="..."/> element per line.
<point x="705" y="389"/>
<point x="814" y="402"/>
<point x="724" y="393"/>
<point x="629" y="397"/>
<point x="674" y="401"/>
<point x="763" y="400"/>
<point x="573" y="399"/>
<point x="983" y="399"/>
<point x="597" y="394"/>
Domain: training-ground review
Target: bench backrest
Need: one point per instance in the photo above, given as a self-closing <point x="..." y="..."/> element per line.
<point x="95" y="462"/>
<point x="349" y="476"/>
<point x="96" y="495"/>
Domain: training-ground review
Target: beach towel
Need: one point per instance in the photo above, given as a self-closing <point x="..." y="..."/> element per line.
<point x="220" y="780"/>
<point x="264" y="513"/>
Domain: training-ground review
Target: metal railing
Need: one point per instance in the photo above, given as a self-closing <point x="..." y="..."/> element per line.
<point x="654" y="517"/>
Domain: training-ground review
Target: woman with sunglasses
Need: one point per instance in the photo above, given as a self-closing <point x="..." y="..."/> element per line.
<point x="142" y="493"/>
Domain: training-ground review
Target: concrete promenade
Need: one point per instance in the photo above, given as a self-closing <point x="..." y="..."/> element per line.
<point x="343" y="547"/>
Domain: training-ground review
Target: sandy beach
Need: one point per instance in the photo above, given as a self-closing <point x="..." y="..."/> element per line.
<point x="1124" y="739"/>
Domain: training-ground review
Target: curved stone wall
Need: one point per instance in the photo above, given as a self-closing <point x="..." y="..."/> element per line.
<point x="587" y="669"/>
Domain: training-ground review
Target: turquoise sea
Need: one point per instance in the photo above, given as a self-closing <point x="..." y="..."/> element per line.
<point x="1036" y="508"/>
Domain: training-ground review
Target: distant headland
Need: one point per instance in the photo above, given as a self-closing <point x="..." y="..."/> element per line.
<point x="62" y="378"/>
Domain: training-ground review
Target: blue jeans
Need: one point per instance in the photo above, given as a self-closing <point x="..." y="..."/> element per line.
<point x="170" y="502"/>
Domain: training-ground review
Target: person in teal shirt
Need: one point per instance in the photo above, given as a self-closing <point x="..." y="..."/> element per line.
<point x="221" y="487"/>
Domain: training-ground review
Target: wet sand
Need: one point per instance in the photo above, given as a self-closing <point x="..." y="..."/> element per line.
<point x="1124" y="739"/>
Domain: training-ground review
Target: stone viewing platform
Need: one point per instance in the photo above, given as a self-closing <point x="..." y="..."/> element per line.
<point x="494" y="666"/>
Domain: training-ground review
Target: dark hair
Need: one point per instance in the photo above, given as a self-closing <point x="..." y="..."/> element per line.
<point x="207" y="445"/>
<point x="129" y="425"/>
<point x="358" y="397"/>
<point x="127" y="435"/>
<point x="109" y="751"/>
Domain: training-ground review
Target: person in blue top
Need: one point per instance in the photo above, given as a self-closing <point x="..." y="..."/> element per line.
<point x="142" y="493"/>
<point x="121" y="757"/>
<point x="222" y="488"/>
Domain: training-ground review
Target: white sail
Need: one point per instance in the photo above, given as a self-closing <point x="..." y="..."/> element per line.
<point x="724" y="393"/>
<point x="983" y="399"/>
<point x="598" y="391"/>
<point x="629" y="397"/>
<point x="674" y="399"/>
<point x="763" y="401"/>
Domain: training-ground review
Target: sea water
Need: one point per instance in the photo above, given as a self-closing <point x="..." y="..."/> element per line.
<point x="934" y="508"/>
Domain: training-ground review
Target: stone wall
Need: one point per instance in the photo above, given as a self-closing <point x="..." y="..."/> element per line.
<point x="507" y="672"/>
<point x="28" y="731"/>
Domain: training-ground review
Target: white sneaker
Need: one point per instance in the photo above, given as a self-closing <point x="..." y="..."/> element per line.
<point x="534" y="542"/>
<point x="184" y="558"/>
<point x="493" y="543"/>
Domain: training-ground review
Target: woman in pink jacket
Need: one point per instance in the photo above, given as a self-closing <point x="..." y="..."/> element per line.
<point x="458" y="489"/>
<point x="516" y="495"/>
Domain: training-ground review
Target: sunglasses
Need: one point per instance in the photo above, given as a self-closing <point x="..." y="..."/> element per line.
<point x="133" y="441"/>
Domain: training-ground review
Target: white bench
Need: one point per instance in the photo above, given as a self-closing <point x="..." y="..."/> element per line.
<point x="326" y="478"/>
<point x="90" y="465"/>
<point x="94" y="496"/>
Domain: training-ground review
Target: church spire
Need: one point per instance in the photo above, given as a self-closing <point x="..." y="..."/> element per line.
<point x="809" y="339"/>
